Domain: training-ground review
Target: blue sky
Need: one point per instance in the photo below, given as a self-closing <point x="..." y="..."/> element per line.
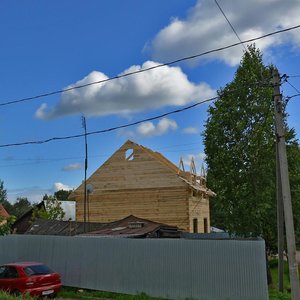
<point x="52" y="45"/>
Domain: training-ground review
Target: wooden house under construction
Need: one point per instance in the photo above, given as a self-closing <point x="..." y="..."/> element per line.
<point x="138" y="181"/>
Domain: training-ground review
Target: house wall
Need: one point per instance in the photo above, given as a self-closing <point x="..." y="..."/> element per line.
<point x="168" y="206"/>
<point x="137" y="181"/>
<point x="199" y="211"/>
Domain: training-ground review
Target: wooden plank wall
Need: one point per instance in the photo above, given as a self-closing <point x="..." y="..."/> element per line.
<point x="199" y="209"/>
<point x="168" y="206"/>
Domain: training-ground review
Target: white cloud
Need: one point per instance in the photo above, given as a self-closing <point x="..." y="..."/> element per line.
<point x="205" y="28"/>
<point x="35" y="194"/>
<point x="165" y="86"/>
<point x="191" y="130"/>
<point x="60" y="186"/>
<point x="73" y="167"/>
<point x="150" y="129"/>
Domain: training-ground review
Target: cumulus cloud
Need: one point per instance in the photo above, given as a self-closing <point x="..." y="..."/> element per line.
<point x="73" y="167"/>
<point x="165" y="86"/>
<point x="191" y="130"/>
<point x="57" y="186"/>
<point x="150" y="129"/>
<point x="205" y="28"/>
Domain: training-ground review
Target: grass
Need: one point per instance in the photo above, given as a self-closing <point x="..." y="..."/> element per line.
<point x="5" y="296"/>
<point x="273" y="293"/>
<point x="68" y="292"/>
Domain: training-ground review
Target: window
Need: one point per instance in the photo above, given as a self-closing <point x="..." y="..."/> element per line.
<point x="195" y="225"/>
<point x="129" y="155"/>
<point x="37" y="270"/>
<point x="8" y="272"/>
<point x="205" y="225"/>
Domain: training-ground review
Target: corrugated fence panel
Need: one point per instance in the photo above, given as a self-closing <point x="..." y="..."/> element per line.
<point x="170" y="268"/>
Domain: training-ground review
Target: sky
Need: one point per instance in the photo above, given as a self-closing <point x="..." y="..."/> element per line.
<point x="50" y="46"/>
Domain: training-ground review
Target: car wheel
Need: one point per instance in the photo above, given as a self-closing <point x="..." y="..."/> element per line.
<point x="16" y="293"/>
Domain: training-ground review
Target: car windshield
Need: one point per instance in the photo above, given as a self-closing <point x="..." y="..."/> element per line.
<point x="37" y="270"/>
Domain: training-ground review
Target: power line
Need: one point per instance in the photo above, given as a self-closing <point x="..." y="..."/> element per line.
<point x="110" y="129"/>
<point x="33" y="161"/>
<point x="148" y="69"/>
<point x="292" y="86"/>
<point x="231" y="26"/>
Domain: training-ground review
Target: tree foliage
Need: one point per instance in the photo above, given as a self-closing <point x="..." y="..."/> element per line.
<point x="21" y="206"/>
<point x="62" y="195"/>
<point x="240" y="147"/>
<point x="52" y="211"/>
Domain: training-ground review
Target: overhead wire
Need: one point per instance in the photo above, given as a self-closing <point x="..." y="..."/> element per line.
<point x="263" y="84"/>
<point x="38" y="161"/>
<point x="150" y="68"/>
<point x="231" y="26"/>
<point x="112" y="128"/>
<point x="292" y="86"/>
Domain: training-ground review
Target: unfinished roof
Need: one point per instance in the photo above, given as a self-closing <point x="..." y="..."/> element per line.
<point x="191" y="178"/>
<point x="134" y="166"/>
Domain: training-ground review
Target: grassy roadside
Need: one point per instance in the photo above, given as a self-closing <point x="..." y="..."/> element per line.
<point x="91" y="295"/>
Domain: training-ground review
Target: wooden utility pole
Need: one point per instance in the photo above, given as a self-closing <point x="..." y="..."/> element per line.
<point x="285" y="187"/>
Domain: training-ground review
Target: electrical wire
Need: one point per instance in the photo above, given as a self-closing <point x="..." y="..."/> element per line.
<point x="148" y="69"/>
<point x="34" y="161"/>
<point x="292" y="86"/>
<point x="231" y="26"/>
<point x="112" y="128"/>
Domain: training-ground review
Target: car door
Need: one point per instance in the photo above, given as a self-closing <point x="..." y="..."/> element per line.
<point x="8" y="278"/>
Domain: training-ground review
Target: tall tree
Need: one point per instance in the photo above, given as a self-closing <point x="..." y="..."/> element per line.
<point x="21" y="206"/>
<point x="240" y="149"/>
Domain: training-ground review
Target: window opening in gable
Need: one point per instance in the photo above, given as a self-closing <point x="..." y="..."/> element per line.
<point x="129" y="155"/>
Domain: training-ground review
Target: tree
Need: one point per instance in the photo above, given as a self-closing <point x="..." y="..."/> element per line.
<point x="240" y="148"/>
<point x="21" y="206"/>
<point x="5" y="227"/>
<point x="52" y="210"/>
<point x="62" y="195"/>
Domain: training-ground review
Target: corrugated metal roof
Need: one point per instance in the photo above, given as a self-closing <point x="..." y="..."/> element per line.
<point x="132" y="226"/>
<point x="64" y="228"/>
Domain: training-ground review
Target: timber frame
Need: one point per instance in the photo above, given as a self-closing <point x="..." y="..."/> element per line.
<point x="138" y="181"/>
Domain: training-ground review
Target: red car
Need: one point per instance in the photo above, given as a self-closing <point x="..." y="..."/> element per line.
<point x="31" y="278"/>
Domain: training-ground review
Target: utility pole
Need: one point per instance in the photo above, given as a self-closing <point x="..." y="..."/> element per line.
<point x="285" y="187"/>
<point x="85" y="169"/>
<point x="280" y="225"/>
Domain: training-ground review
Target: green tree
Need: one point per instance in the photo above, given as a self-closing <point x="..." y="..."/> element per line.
<point x="5" y="225"/>
<point x="240" y="148"/>
<point x="52" y="211"/>
<point x="62" y="195"/>
<point x="21" y="206"/>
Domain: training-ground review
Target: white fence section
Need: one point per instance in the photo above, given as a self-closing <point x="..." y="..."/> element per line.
<point x="169" y="268"/>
